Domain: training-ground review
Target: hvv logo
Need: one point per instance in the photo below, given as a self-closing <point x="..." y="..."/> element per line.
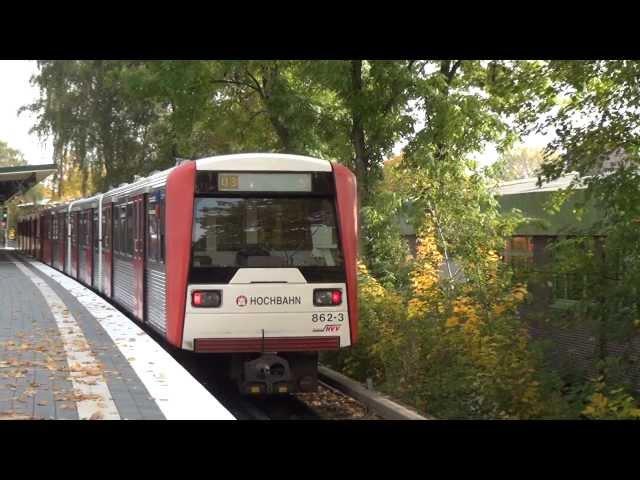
<point x="327" y="328"/>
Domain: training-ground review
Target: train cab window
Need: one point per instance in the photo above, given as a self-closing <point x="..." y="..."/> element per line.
<point x="265" y="232"/>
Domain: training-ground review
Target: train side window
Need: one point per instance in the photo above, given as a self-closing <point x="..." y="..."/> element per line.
<point x="123" y="229"/>
<point x="73" y="229"/>
<point x="82" y="237"/>
<point x="105" y="229"/>
<point x="87" y="228"/>
<point x="118" y="224"/>
<point x="116" y="228"/>
<point x="84" y="229"/>
<point x="129" y="230"/>
<point x="109" y="231"/>
<point x="152" y="230"/>
<point x="161" y="232"/>
<point x="81" y="229"/>
<point x="94" y="230"/>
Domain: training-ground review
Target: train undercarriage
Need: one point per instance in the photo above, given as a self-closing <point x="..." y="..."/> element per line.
<point x="275" y="373"/>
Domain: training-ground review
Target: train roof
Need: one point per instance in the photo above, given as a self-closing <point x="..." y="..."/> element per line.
<point x="237" y="162"/>
<point x="264" y="161"/>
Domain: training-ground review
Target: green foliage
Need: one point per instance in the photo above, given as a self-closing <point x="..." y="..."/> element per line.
<point x="597" y="126"/>
<point x="604" y="402"/>
<point x="10" y="157"/>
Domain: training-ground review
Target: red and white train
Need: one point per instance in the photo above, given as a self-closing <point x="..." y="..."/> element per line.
<point x="250" y="255"/>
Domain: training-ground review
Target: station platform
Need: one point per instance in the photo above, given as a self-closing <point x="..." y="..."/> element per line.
<point x="66" y="353"/>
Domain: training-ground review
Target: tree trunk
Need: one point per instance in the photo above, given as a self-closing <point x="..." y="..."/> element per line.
<point x="358" y="140"/>
<point x="82" y="154"/>
<point x="270" y="78"/>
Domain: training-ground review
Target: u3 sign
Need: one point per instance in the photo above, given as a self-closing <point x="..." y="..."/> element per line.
<point x="327" y="317"/>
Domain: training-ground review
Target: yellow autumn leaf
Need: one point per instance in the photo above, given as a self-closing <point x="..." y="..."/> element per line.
<point x="452" y="322"/>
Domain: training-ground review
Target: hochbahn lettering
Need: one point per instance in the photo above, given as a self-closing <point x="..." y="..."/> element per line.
<point x="241" y="301"/>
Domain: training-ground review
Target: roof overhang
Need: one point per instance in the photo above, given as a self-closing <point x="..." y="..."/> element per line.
<point x="15" y="180"/>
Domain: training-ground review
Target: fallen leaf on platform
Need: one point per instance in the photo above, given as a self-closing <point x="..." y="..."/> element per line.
<point x="14" y="416"/>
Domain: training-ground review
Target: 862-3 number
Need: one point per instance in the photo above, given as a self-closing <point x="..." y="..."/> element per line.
<point x="327" y="317"/>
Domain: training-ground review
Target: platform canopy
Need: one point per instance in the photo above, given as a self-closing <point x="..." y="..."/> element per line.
<point x="14" y="180"/>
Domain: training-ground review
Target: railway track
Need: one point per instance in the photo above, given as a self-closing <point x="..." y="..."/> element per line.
<point x="210" y="373"/>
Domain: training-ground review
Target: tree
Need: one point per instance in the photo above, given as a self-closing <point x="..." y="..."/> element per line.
<point x="520" y="162"/>
<point x="88" y="110"/>
<point x="597" y="112"/>
<point x="10" y="157"/>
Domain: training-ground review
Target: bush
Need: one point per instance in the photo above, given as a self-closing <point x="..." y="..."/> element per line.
<point x="441" y="349"/>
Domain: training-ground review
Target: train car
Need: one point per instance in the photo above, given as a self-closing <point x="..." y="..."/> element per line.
<point x="251" y="257"/>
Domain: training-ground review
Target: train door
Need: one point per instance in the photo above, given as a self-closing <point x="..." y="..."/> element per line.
<point x="138" y="255"/>
<point x="107" y="251"/>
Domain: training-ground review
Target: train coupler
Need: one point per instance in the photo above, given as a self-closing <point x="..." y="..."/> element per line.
<point x="267" y="374"/>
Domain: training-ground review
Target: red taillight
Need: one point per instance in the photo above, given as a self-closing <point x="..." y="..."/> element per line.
<point x="197" y="299"/>
<point x="327" y="297"/>
<point x="206" y="298"/>
<point x="336" y="297"/>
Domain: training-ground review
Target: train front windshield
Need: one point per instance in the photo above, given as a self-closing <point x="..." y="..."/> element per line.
<point x="265" y="232"/>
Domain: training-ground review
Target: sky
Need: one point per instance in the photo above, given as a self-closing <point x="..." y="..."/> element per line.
<point x="16" y="91"/>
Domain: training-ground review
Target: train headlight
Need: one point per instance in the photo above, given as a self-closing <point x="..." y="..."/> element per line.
<point x="325" y="297"/>
<point x="206" y="298"/>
